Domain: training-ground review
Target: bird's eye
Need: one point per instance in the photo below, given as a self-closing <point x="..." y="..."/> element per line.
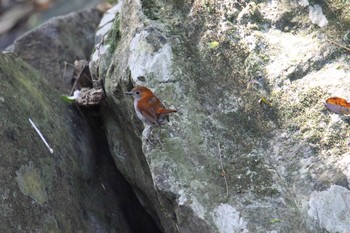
<point x="137" y="93"/>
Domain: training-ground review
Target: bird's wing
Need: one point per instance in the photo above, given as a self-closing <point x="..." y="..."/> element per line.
<point x="145" y="108"/>
<point x="150" y="115"/>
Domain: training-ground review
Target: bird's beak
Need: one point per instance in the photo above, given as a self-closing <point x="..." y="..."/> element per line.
<point x="128" y="93"/>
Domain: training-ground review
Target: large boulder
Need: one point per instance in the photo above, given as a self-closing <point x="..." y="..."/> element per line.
<point x="252" y="148"/>
<point x="43" y="191"/>
<point x="60" y="178"/>
<point x="53" y="47"/>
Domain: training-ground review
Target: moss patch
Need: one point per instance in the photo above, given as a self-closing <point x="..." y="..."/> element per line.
<point x="114" y="35"/>
<point x="31" y="184"/>
<point x="340" y="10"/>
<point x="306" y="115"/>
<point x="51" y="226"/>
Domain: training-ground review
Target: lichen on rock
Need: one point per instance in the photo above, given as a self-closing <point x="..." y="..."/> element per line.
<point x="214" y="61"/>
<point x="30" y="183"/>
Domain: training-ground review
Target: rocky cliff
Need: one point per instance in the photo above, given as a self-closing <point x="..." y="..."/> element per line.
<point x="56" y="171"/>
<point x="252" y="148"/>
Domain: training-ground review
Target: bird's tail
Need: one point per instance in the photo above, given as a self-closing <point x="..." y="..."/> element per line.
<point x="164" y="111"/>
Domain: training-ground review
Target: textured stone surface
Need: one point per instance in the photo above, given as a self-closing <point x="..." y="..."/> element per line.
<point x="77" y="187"/>
<point x="58" y="42"/>
<point x="35" y="182"/>
<point x="331" y="208"/>
<point x="228" y="163"/>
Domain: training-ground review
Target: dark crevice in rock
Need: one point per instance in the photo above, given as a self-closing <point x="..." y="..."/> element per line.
<point x="122" y="209"/>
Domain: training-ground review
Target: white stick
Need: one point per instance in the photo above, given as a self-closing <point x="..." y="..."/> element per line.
<point x="41" y="136"/>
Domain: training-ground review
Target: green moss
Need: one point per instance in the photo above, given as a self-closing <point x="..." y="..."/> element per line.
<point x="178" y="3"/>
<point x="114" y="35"/>
<point x="306" y="106"/>
<point x="151" y="9"/>
<point x="250" y="174"/>
<point x="32" y="88"/>
<point x="26" y="96"/>
<point x="48" y="171"/>
<point x="340" y="10"/>
<point x="22" y="88"/>
<point x="31" y="184"/>
<point x="307" y="116"/>
<point x="51" y="226"/>
<point x="113" y="2"/>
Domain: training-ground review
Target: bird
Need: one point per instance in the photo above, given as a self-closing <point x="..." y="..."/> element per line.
<point x="148" y="107"/>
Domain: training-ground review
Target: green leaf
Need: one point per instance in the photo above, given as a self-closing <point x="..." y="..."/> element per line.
<point x="71" y="99"/>
<point x="67" y="99"/>
<point x="213" y="45"/>
<point x="274" y="220"/>
<point x="263" y="100"/>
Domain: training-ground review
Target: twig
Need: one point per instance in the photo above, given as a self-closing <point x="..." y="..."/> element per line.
<point x="41" y="136"/>
<point x="340" y="45"/>
<point x="223" y="172"/>
<point x="65" y="67"/>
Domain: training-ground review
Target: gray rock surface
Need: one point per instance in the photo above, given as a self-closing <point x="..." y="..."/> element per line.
<point x="331" y="208"/>
<point x="77" y="187"/>
<point x="54" y="46"/>
<point x="227" y="163"/>
<point x="42" y="191"/>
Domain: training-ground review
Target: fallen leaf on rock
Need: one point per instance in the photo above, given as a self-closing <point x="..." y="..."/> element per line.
<point x="263" y="100"/>
<point x="338" y="105"/>
<point x="275" y="220"/>
<point x="213" y="45"/>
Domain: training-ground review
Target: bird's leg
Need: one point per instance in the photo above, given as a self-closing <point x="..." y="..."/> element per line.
<point x="146" y="133"/>
<point x="158" y="136"/>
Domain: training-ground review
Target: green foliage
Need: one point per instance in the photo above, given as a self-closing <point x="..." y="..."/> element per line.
<point x="67" y="99"/>
<point x="151" y="9"/>
<point x="114" y="35"/>
<point x="213" y="45"/>
<point x="275" y="220"/>
<point x="113" y="2"/>
<point x="340" y="10"/>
